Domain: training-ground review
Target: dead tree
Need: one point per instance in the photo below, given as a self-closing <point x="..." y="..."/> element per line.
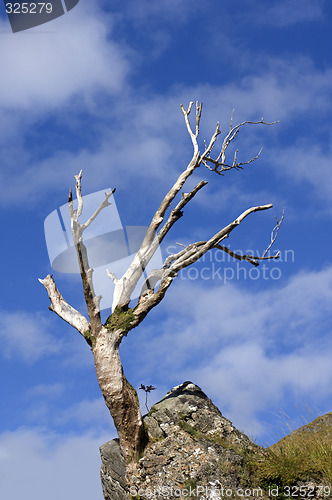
<point x="104" y="339"/>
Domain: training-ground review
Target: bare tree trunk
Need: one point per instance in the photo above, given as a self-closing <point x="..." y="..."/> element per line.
<point x="120" y="397"/>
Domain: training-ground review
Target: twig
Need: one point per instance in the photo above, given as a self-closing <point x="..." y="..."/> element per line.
<point x="275" y="231"/>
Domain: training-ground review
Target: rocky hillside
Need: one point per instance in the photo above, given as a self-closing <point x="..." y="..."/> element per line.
<point x="195" y="452"/>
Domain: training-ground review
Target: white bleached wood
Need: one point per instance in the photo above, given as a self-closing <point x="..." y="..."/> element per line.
<point x="275" y="231"/>
<point x="62" y="308"/>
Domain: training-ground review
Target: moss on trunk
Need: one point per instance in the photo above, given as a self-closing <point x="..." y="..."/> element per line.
<point x="91" y="339"/>
<point x="120" y="319"/>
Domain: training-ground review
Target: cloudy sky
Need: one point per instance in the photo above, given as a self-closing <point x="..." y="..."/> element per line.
<point x="100" y="89"/>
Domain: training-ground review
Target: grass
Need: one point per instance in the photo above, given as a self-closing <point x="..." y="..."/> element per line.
<point x="303" y="455"/>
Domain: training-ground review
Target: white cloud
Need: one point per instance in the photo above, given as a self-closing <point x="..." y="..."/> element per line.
<point x="281" y="14"/>
<point x="86" y="413"/>
<point x="290" y="12"/>
<point x="247" y="379"/>
<point x="222" y="198"/>
<point x="309" y="166"/>
<point x="159" y="143"/>
<point x="45" y="407"/>
<point x="45" y="391"/>
<point x="26" y="336"/>
<point x="44" y="67"/>
<point x="50" y="466"/>
<point x="159" y="12"/>
<point x="151" y="22"/>
<point x="114" y="160"/>
<point x="283" y="90"/>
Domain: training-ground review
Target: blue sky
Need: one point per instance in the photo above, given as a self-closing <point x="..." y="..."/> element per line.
<point x="99" y="89"/>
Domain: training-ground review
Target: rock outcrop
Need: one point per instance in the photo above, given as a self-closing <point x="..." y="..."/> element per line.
<point x="113" y="471"/>
<point x="192" y="448"/>
<point x="195" y="452"/>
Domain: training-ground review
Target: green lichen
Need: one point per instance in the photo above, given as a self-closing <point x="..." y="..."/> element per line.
<point x="91" y="339"/>
<point x="120" y="319"/>
<point x="131" y="388"/>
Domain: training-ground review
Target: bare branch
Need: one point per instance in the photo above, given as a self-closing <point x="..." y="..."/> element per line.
<point x="62" y="308"/>
<point x="75" y="214"/>
<point x="166" y="202"/>
<point x="198" y="116"/>
<point x="146" y="251"/>
<point x="144" y="255"/>
<point x="219" y="164"/>
<point x="194" y="163"/>
<point x="209" y="148"/>
<point x="103" y="205"/>
<point x="176" y="262"/>
<point x="184" y="254"/>
<point x="177" y="213"/>
<point x="275" y="231"/>
<point x="58" y="304"/>
<point x="78" y="211"/>
<point x="145" y="304"/>
<point x="195" y="251"/>
<point x="186" y="117"/>
<point x="234" y="131"/>
<point x="252" y="259"/>
<point x="92" y="301"/>
<point x="112" y="276"/>
<point x="176" y="256"/>
<point x="224" y="167"/>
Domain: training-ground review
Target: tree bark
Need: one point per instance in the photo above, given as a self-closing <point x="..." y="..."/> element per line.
<point x="120" y="397"/>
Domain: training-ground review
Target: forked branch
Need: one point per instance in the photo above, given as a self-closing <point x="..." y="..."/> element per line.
<point x="196" y="251"/>
<point x="92" y="301"/>
<point x="219" y="164"/>
<point x="58" y="304"/>
<point x="149" y="298"/>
